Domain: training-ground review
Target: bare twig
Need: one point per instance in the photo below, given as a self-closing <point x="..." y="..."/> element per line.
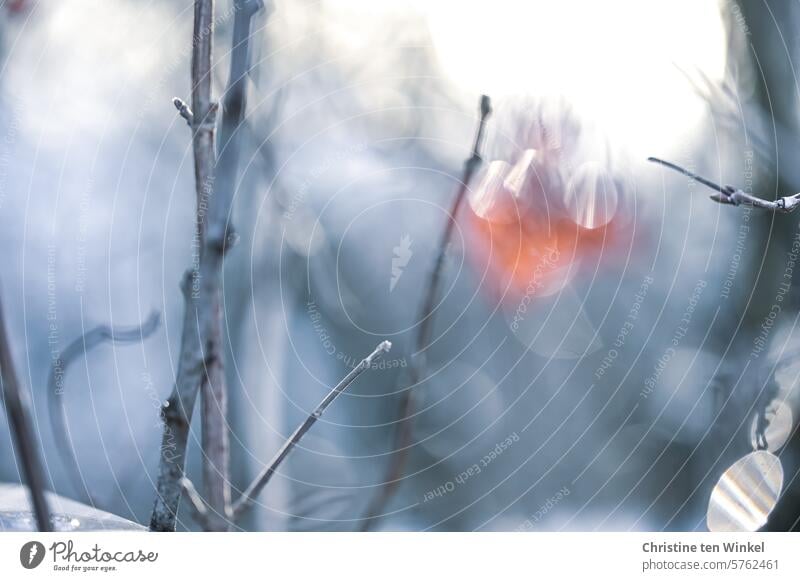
<point x="200" y="286"/>
<point x="201" y="363"/>
<point x="735" y="196"/>
<point x="199" y="511"/>
<point x="55" y="386"/>
<point x="17" y="409"/>
<point x="215" y="437"/>
<point x="215" y="440"/>
<point x="249" y="495"/>
<point x="402" y="441"/>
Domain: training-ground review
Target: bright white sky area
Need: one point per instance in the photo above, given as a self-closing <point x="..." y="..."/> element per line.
<point x="617" y="62"/>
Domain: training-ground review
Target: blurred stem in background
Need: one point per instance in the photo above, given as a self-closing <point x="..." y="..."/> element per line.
<point x="758" y="104"/>
<point x="769" y="41"/>
<point x="19" y="418"/>
<point x="418" y="370"/>
<point x="56" y="391"/>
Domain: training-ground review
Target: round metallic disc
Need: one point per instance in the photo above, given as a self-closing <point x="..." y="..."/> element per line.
<point x="746" y="494"/>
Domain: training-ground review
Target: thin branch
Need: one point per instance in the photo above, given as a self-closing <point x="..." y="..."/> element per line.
<point x="687" y="173"/>
<point x="201" y="364"/>
<point x="402" y="441"/>
<point x="214" y="434"/>
<point x="252" y="491"/>
<point x="215" y="437"/>
<point x="55" y="386"/>
<point x="734" y="196"/>
<point x="17" y="408"/>
<point x="198" y="506"/>
<point x="200" y="285"/>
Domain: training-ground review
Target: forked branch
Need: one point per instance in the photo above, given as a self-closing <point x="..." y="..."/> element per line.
<point x="215" y="437"/>
<point x="735" y="196"/>
<point x="200" y="286"/>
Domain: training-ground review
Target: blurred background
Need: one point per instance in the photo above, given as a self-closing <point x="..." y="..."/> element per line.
<point x="606" y="339"/>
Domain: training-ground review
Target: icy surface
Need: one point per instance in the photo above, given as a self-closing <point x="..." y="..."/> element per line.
<point x="67" y="515"/>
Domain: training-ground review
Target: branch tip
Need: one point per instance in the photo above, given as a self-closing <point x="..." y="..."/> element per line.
<point x="486" y="106"/>
<point x="382" y="348"/>
<point x="734" y="196"/>
<point x="403" y="434"/>
<point x="260" y="481"/>
<point x="199" y="512"/>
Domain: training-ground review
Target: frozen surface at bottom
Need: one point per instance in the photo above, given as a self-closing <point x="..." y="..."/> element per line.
<point x="67" y="515"/>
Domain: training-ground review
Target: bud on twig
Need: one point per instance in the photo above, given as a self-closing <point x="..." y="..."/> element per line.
<point x="735" y="196"/>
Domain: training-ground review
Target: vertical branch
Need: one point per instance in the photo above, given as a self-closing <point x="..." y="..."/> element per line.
<point x="426" y="312"/>
<point x="201" y="365"/>
<point x="200" y="285"/>
<point x="215" y="439"/>
<point x="16" y="403"/>
<point x="402" y="440"/>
